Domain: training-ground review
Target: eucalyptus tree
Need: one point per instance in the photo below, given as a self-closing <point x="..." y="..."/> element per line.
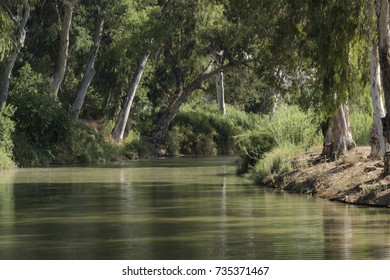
<point x="96" y="11"/>
<point x="327" y="32"/>
<point x="377" y="141"/>
<point x="197" y="32"/>
<point x="150" y="42"/>
<point x="68" y="8"/>
<point x="20" y="22"/>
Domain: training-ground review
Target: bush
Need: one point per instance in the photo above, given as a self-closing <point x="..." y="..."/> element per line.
<point x="7" y="128"/>
<point x="203" y="130"/>
<point x="254" y="146"/>
<point x="277" y="161"/>
<point x="6" y="144"/>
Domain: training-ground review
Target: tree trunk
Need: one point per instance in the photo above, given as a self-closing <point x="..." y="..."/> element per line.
<point x="19" y="43"/>
<point x="377" y="141"/>
<point x="120" y="125"/>
<point x="160" y="129"/>
<point x="384" y="61"/>
<point x="220" y="92"/>
<point x="89" y="70"/>
<point x="338" y="138"/>
<point x="64" y="46"/>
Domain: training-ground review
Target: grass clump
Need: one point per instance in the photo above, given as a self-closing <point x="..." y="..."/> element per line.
<point x="294" y="132"/>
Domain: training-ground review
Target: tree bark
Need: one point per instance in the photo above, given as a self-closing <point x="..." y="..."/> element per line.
<point x="338" y="138"/>
<point x="89" y="70"/>
<point x="64" y="46"/>
<point x="19" y="43"/>
<point x="384" y="61"/>
<point x="220" y="92"/>
<point x="120" y="125"/>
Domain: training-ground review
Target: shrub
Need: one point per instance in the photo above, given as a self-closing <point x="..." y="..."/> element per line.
<point x="277" y="161"/>
<point x="203" y="130"/>
<point x="6" y="144"/>
<point x="254" y="146"/>
<point x="7" y="128"/>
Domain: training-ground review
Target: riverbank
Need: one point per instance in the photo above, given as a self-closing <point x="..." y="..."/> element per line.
<point x="354" y="178"/>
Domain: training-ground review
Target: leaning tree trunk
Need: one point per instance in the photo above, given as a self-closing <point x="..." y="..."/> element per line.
<point x="19" y="43"/>
<point x="338" y="138"/>
<point x="64" y="46"/>
<point x="120" y="126"/>
<point x="123" y="117"/>
<point x="89" y="70"/>
<point x="160" y="129"/>
<point x="220" y="92"/>
<point x="384" y="61"/>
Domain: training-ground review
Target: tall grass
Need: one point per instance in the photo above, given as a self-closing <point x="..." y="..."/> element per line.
<point x="361" y="124"/>
<point x="295" y="132"/>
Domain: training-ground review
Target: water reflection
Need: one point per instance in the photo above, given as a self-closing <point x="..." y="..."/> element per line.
<point x="186" y="208"/>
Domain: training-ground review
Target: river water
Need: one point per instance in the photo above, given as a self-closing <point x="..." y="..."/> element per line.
<point x="178" y="208"/>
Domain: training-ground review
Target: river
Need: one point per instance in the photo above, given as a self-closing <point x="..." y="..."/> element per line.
<point x="176" y="208"/>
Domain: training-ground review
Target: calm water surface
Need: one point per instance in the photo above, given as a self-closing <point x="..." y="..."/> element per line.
<point x="182" y="208"/>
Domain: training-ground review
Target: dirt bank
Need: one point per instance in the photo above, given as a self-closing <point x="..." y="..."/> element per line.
<point x="354" y="178"/>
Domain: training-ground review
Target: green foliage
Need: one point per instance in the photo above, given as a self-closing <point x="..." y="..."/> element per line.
<point x="290" y="125"/>
<point x="40" y="121"/>
<point x="255" y="145"/>
<point x="6" y="144"/>
<point x="293" y="131"/>
<point x="277" y="161"/>
<point x="203" y="130"/>
<point x="135" y="148"/>
<point x="7" y="128"/>
<point x="361" y="124"/>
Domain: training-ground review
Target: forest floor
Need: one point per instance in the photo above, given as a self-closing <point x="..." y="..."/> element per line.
<point x="353" y="178"/>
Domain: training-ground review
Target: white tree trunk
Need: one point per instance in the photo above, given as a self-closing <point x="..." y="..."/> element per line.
<point x="123" y="116"/>
<point x="89" y="70"/>
<point x="220" y="92"/>
<point x="64" y="46"/>
<point x="19" y="43"/>
<point x="377" y="141"/>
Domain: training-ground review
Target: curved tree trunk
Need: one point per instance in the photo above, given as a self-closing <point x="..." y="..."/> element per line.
<point x="89" y="70"/>
<point x="338" y="138"/>
<point x="160" y="129"/>
<point x="120" y="126"/>
<point x="19" y="43"/>
<point x="64" y="46"/>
